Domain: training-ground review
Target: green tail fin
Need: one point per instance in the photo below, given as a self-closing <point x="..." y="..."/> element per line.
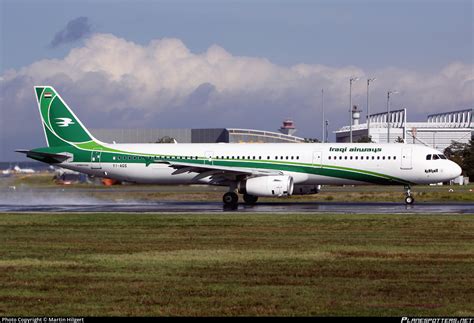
<point x="60" y="124"/>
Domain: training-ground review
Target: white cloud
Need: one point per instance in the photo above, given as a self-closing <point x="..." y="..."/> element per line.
<point x="164" y="84"/>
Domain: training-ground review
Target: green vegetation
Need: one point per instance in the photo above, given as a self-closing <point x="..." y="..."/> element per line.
<point x="366" y="139"/>
<point x="236" y="264"/>
<point x="463" y="154"/>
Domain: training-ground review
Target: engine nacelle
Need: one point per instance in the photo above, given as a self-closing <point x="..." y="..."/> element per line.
<point x="306" y="189"/>
<point x="274" y="185"/>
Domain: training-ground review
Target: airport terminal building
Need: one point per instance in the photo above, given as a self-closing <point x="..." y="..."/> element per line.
<point x="438" y="131"/>
<point x="187" y="135"/>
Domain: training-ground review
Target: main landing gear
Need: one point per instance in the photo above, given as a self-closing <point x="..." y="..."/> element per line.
<point x="231" y="199"/>
<point x="250" y="199"/>
<point x="409" y="200"/>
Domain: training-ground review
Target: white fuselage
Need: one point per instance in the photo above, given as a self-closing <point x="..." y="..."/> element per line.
<point x="328" y="163"/>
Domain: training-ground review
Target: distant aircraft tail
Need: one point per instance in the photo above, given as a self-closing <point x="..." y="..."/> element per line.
<point x="60" y="124"/>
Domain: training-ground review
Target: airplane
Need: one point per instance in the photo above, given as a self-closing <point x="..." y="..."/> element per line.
<point x="253" y="169"/>
<point x="17" y="169"/>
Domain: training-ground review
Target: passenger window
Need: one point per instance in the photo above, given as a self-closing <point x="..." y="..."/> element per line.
<point x="297" y="157"/>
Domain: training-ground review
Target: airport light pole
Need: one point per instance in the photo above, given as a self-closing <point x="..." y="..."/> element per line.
<point x="322" y="109"/>
<point x="326" y="123"/>
<point x="388" y="113"/>
<point x="368" y="106"/>
<point x="352" y="79"/>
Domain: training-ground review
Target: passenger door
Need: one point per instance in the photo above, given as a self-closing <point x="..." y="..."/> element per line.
<point x="317" y="158"/>
<point x="95" y="160"/>
<point x="209" y="158"/>
<point x="406" y="162"/>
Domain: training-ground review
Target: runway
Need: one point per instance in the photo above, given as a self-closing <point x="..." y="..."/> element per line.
<point x="275" y="207"/>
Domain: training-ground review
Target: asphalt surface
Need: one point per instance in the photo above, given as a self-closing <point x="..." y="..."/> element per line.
<point x="52" y="199"/>
<point x="210" y="207"/>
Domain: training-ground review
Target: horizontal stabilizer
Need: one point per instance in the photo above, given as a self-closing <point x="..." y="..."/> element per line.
<point x="44" y="157"/>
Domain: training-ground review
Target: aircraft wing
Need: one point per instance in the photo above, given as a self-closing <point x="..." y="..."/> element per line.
<point x="44" y="157"/>
<point x="217" y="174"/>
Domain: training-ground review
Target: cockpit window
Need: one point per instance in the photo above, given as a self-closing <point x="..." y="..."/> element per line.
<point x="435" y="157"/>
<point x="442" y="156"/>
<point x="428" y="157"/>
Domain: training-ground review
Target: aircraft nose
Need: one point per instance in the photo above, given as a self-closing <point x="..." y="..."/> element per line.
<point x="456" y="170"/>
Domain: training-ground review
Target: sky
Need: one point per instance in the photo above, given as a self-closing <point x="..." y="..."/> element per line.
<point x="242" y="64"/>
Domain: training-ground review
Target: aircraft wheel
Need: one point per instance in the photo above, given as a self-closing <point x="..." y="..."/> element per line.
<point x="230" y="198"/>
<point x="409" y="200"/>
<point x="250" y="199"/>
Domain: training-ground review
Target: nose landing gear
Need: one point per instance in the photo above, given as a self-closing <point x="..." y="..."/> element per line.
<point x="409" y="200"/>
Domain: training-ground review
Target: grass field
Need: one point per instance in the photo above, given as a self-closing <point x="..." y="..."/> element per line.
<point x="234" y="264"/>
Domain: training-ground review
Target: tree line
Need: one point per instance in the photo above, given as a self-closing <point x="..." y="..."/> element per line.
<point x="463" y="155"/>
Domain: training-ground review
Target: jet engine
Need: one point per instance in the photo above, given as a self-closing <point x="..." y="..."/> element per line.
<point x="272" y="185"/>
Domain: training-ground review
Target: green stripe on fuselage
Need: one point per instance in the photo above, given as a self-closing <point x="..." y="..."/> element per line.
<point x="82" y="153"/>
